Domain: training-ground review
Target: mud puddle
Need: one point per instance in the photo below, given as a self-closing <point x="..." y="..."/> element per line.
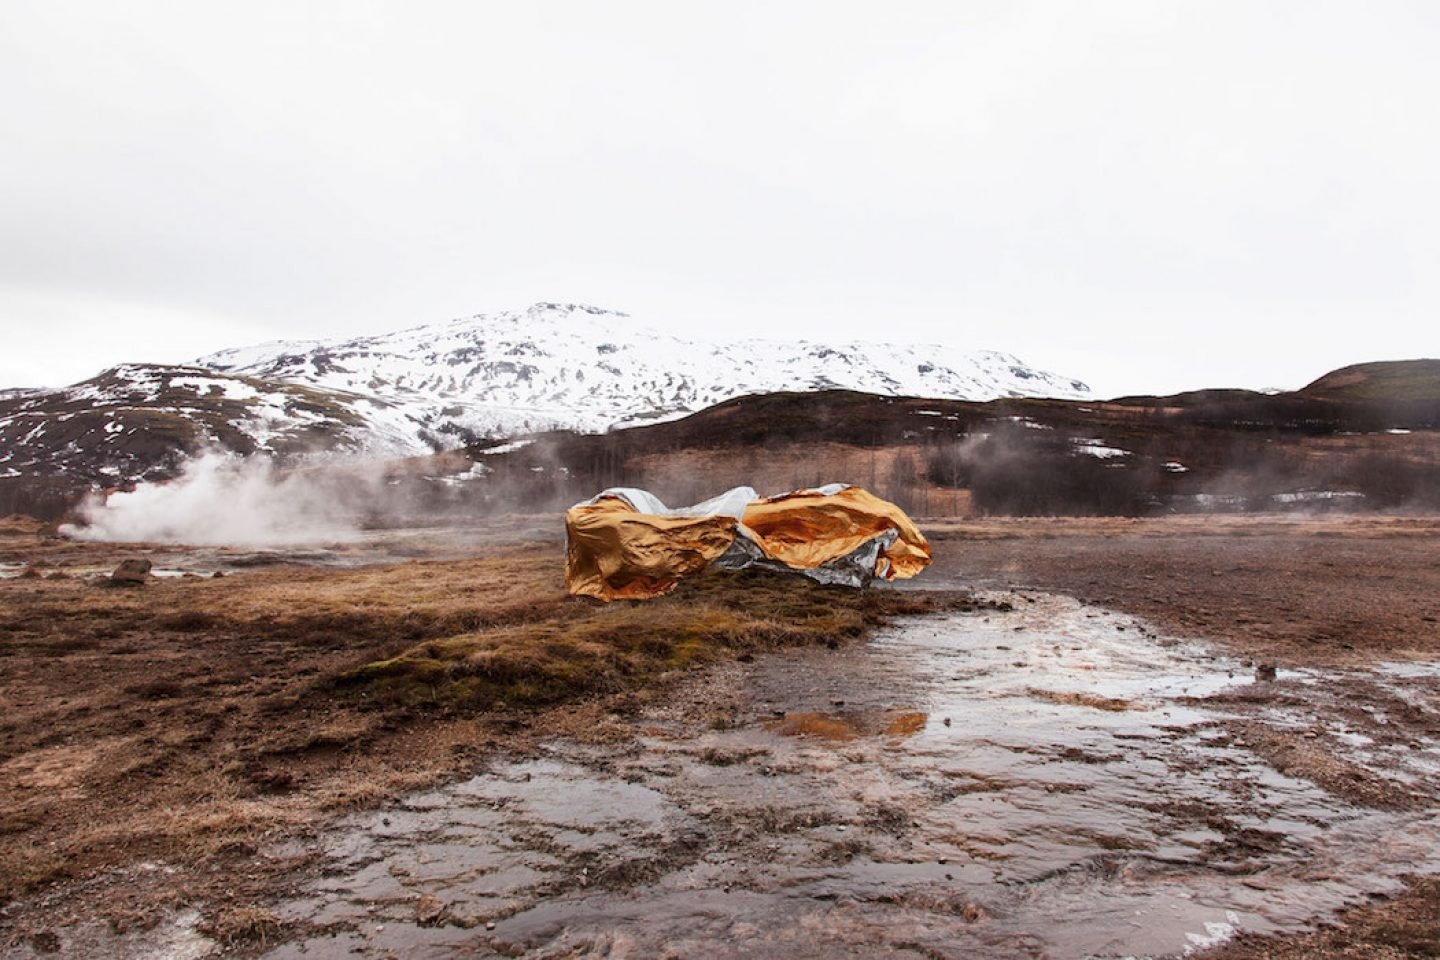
<point x="1053" y="781"/>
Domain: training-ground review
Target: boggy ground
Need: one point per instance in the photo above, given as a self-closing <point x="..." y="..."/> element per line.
<point x="160" y="744"/>
<point x="191" y="720"/>
<point x="1316" y="591"/>
<point x="1292" y="591"/>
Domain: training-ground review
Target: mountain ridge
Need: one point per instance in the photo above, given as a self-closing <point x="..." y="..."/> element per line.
<point x="466" y="382"/>
<point x="573" y="366"/>
<point x="143" y="422"/>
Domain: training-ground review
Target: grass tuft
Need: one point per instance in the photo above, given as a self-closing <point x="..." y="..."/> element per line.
<point x="232" y="926"/>
<point x="579" y="648"/>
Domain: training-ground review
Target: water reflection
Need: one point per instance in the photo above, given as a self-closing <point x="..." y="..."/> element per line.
<point x="1054" y="781"/>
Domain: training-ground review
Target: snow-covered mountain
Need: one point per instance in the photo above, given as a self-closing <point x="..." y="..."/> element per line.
<point x="579" y="367"/>
<point x="139" y="421"/>
<point x="451" y="384"/>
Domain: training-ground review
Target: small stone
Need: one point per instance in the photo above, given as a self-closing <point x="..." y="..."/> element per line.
<point x="489" y="924"/>
<point x="133" y="570"/>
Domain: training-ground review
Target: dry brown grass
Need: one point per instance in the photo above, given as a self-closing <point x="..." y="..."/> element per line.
<point x="559" y="651"/>
<point x="233" y="925"/>
<point x="186" y="718"/>
<point x="1400" y="928"/>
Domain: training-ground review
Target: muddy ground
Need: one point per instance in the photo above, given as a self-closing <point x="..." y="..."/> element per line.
<point x="1299" y="590"/>
<point x="828" y="801"/>
<point x="1324" y="592"/>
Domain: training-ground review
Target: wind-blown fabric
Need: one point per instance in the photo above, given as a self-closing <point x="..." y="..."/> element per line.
<point x="625" y="544"/>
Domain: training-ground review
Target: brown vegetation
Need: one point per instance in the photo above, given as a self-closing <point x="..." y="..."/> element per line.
<point x="1403" y="928"/>
<point x="184" y="718"/>
<point x="1225" y="451"/>
<point x="569" y="648"/>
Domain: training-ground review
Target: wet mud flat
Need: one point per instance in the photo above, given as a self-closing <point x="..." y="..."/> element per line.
<point x="1053" y="780"/>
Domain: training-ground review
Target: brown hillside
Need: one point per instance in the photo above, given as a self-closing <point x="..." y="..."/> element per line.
<point x="1388" y="381"/>
<point x="1228" y="450"/>
<point x="1365" y="437"/>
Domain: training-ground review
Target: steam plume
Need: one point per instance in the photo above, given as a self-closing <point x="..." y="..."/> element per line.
<point x="220" y="500"/>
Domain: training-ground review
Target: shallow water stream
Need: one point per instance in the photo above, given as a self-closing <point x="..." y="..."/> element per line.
<point x="1054" y="780"/>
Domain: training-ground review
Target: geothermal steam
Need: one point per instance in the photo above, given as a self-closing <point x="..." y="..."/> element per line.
<point x="220" y="500"/>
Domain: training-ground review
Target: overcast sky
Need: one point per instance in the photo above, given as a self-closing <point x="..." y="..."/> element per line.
<point x="1150" y="196"/>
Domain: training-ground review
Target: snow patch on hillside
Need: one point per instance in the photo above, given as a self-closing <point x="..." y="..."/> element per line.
<point x="577" y="367"/>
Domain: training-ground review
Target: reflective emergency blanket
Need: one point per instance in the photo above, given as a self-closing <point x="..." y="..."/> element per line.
<point x="626" y="544"/>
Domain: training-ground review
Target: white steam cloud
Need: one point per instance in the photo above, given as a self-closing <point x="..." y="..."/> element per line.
<point x="220" y="500"/>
